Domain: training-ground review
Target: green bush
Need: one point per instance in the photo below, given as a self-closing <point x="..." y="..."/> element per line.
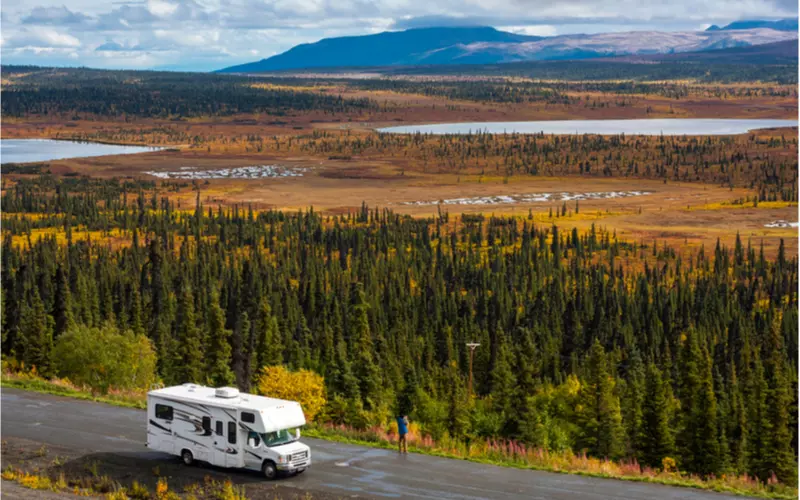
<point x="105" y="357"/>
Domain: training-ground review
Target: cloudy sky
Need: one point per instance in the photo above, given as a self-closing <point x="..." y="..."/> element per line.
<point x="210" y="34"/>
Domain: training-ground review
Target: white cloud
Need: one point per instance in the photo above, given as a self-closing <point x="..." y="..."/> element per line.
<point x="40" y="37"/>
<point x="208" y="34"/>
<point x="535" y="30"/>
<point x="161" y="8"/>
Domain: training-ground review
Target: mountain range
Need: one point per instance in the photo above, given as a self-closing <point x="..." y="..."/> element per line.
<point x="781" y="25"/>
<point x="486" y="45"/>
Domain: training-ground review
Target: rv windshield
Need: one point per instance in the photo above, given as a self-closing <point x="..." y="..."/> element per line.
<point x="278" y="438"/>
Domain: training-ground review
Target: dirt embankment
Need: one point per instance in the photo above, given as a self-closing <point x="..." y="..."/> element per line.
<point x="70" y="470"/>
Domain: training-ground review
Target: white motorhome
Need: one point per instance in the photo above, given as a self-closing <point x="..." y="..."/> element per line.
<point x="227" y="429"/>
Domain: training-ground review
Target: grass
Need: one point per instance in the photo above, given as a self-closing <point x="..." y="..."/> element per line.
<point x="93" y="485"/>
<point x="494" y="452"/>
<point x="60" y="387"/>
<point x="734" y="206"/>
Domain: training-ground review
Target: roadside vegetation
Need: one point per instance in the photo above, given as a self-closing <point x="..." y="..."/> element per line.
<point x="61" y="472"/>
<point x="495" y="452"/>
<point x="91" y="484"/>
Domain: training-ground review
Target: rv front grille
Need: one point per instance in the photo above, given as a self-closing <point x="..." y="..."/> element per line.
<point x="299" y="456"/>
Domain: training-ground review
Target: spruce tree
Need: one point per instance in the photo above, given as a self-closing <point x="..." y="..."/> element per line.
<point x="779" y="458"/>
<point x="62" y="308"/>
<point x="699" y="436"/>
<point x="241" y="334"/>
<point x="189" y="347"/>
<point x="502" y="380"/>
<point x="34" y="343"/>
<point x="365" y="370"/>
<point x="218" y="358"/>
<point x="758" y="425"/>
<point x="633" y="404"/>
<point x="269" y="347"/>
<point x="656" y="437"/>
<point x="601" y="433"/>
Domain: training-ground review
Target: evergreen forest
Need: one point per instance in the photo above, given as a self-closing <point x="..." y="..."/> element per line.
<point x="622" y="349"/>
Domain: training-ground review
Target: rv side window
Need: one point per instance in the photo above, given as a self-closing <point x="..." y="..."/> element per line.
<point x="163" y="412"/>
<point x="219" y="427"/>
<point x="248" y="418"/>
<point x="207" y="424"/>
<point x="232" y="432"/>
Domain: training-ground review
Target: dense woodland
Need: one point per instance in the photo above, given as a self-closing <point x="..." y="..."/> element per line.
<point x="618" y="348"/>
<point x="565" y="92"/>
<point x="34" y="91"/>
<point x="782" y="70"/>
<point x="65" y="91"/>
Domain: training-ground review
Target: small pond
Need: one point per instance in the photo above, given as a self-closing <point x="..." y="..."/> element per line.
<point x="35" y="150"/>
<point x="659" y="126"/>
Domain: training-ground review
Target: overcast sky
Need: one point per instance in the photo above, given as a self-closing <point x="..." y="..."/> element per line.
<point x="210" y="34"/>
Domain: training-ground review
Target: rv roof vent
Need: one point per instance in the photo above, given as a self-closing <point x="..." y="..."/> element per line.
<point x="226" y="392"/>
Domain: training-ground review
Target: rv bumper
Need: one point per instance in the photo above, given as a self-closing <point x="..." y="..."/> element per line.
<point x="294" y="467"/>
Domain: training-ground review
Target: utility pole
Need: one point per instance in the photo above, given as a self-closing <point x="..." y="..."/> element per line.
<point x="472" y="346"/>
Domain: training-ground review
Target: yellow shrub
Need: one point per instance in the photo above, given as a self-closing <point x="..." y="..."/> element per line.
<point x="303" y="386"/>
<point x="139" y="491"/>
<point x="668" y="464"/>
<point x="230" y="492"/>
<point x="35" y="482"/>
<point x="162" y="488"/>
<point x="10" y="474"/>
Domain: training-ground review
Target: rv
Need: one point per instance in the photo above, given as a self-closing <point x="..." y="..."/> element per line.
<point x="228" y="429"/>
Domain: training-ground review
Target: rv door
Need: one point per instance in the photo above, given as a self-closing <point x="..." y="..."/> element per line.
<point x="234" y="448"/>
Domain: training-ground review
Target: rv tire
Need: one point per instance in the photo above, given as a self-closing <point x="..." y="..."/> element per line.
<point x="187" y="457"/>
<point x="269" y="469"/>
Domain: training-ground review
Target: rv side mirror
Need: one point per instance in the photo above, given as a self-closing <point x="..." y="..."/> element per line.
<point x="297" y="433"/>
<point x="251" y="442"/>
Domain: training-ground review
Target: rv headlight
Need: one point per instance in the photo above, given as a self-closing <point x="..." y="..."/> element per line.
<point x="284" y="459"/>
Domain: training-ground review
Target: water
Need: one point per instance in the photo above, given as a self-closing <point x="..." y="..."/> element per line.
<point x="659" y="126"/>
<point x="33" y="150"/>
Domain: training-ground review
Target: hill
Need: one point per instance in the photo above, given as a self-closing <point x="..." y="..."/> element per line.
<point x="383" y="49"/>
<point x="784" y="52"/>
<point x="788" y="24"/>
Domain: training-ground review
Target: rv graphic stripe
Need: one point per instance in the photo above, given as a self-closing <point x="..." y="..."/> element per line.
<point x="156" y="424"/>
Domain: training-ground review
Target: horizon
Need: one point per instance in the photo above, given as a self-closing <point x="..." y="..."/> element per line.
<point x="206" y="35"/>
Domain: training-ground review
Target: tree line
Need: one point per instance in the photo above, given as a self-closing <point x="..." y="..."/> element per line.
<point x="72" y="92"/>
<point x="501" y="90"/>
<point x="621" y="349"/>
<point x="759" y="68"/>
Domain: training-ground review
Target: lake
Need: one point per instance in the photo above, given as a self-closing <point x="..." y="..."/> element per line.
<point x="33" y="150"/>
<point x="659" y="126"/>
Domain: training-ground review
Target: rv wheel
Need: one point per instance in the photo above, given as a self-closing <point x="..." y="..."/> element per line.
<point x="187" y="457"/>
<point x="269" y="470"/>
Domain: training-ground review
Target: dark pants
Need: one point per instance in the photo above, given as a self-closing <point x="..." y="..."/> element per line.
<point x="402" y="444"/>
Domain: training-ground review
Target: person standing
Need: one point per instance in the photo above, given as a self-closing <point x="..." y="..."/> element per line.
<point x="402" y="430"/>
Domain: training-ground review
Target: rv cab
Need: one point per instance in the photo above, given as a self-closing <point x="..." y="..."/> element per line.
<point x="227" y="428"/>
